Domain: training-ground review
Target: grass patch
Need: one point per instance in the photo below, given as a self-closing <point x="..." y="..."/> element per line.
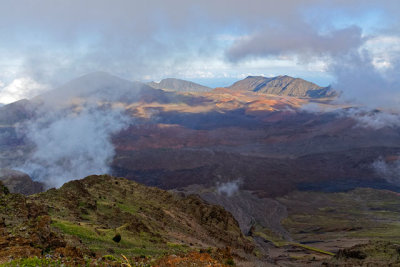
<point x="32" y="262"/>
<point x="361" y="213"/>
<point x="271" y="238"/>
<point x="313" y="249"/>
<point x="127" y="208"/>
<point x="281" y="243"/>
<point x="101" y="240"/>
<point x="390" y="232"/>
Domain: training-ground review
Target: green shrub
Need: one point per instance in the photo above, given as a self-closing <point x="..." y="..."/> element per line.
<point x="109" y="258"/>
<point x="230" y="262"/>
<point x="117" y="238"/>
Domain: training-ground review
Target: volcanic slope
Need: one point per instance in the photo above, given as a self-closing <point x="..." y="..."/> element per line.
<point x="26" y="231"/>
<point x="96" y="219"/>
<point x="104" y="215"/>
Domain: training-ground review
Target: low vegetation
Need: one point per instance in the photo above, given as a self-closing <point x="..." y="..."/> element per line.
<point x="113" y="221"/>
<point x="120" y="221"/>
<point x="360" y="213"/>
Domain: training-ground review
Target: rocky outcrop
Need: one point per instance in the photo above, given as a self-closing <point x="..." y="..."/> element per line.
<point x="140" y="213"/>
<point x="25" y="229"/>
<point x="83" y="217"/>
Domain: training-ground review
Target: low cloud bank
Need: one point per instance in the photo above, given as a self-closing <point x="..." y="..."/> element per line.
<point x="375" y="119"/>
<point x="71" y="145"/>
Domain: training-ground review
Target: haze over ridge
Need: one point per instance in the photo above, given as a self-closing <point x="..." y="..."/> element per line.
<point x="353" y="46"/>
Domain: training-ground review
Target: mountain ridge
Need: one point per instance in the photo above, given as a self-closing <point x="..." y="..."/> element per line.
<point x="179" y="85"/>
<point x="283" y="86"/>
<point x="101" y="86"/>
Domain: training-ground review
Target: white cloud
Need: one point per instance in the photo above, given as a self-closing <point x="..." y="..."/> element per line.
<point x="71" y="146"/>
<point x="390" y="171"/>
<point x="20" y="88"/>
<point x="384" y="49"/>
<point x="229" y="188"/>
<point x="374" y="119"/>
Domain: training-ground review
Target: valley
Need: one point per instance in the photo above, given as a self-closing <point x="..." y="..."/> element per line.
<point x="291" y="174"/>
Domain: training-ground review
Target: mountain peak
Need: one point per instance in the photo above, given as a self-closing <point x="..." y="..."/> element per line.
<point x="96" y="79"/>
<point x="283" y="85"/>
<point x="179" y="85"/>
<point x="97" y="86"/>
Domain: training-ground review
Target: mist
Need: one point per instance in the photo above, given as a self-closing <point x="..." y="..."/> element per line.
<point x="229" y="188"/>
<point x="71" y="145"/>
<point x="390" y="171"/>
<point x="371" y="118"/>
<point x="367" y="84"/>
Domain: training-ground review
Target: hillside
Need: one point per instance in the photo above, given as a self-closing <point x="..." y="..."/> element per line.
<point x="103" y="215"/>
<point x="26" y="231"/>
<point x="179" y="85"/>
<point x="283" y="86"/>
<point x="96" y="220"/>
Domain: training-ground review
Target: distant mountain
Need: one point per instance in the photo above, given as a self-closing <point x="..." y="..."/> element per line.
<point x="19" y="182"/>
<point x="283" y="85"/>
<point x="179" y="85"/>
<point x="96" y="86"/>
<point x="15" y="112"/>
<point x="103" y="87"/>
<point x="90" y="88"/>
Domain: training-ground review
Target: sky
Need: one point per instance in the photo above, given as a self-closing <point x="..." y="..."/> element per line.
<point x="353" y="45"/>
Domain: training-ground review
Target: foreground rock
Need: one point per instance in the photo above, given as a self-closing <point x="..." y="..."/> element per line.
<point x="109" y="205"/>
<point x="25" y="230"/>
<point x="97" y="219"/>
<point x="104" y="215"/>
